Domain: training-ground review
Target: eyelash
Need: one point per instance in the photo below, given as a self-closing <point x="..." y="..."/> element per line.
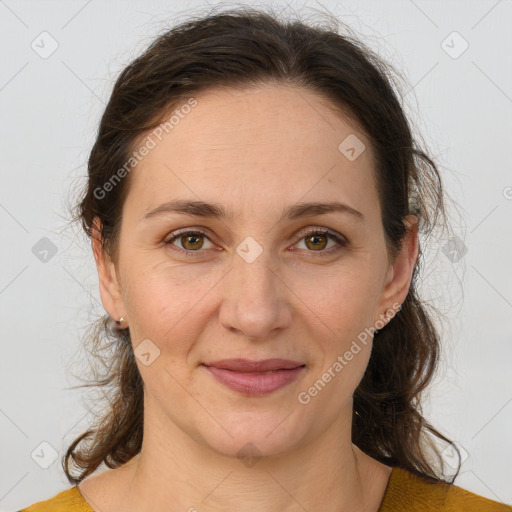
<point x="341" y="241"/>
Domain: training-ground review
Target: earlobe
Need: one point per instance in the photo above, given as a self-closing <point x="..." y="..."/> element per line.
<point x="110" y="292"/>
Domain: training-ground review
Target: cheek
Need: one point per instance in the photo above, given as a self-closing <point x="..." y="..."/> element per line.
<point x="343" y="301"/>
<point x="168" y="308"/>
<point x="165" y="300"/>
<point x="343" y="311"/>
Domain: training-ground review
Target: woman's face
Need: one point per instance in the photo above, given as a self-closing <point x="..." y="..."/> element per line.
<point x="253" y="284"/>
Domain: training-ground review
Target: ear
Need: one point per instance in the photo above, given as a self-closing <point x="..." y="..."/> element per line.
<point x="398" y="279"/>
<point x="110" y="290"/>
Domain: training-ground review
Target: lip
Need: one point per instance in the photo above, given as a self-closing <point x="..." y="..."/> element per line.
<point x="248" y="377"/>
<point x="248" y="365"/>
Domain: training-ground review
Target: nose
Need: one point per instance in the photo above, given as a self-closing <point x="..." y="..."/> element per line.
<point x="256" y="299"/>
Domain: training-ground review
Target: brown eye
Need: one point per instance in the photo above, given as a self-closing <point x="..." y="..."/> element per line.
<point x="318" y="241"/>
<point x="192" y="241"/>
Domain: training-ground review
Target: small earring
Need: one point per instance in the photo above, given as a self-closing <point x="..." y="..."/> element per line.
<point x="120" y="321"/>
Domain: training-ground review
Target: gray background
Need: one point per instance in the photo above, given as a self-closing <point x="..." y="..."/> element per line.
<point x="49" y="109"/>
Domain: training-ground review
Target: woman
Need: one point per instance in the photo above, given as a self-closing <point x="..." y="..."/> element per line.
<point x="254" y="203"/>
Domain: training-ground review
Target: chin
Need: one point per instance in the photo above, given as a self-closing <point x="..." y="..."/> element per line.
<point x="252" y="438"/>
<point x="249" y="449"/>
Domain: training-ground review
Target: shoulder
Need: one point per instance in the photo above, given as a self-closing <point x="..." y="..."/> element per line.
<point x="412" y="493"/>
<point x="69" y="500"/>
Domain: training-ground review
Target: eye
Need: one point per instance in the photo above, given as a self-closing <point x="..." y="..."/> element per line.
<point x="191" y="241"/>
<point x="317" y="239"/>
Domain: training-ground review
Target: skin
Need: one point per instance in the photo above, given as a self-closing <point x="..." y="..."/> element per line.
<point x="256" y="151"/>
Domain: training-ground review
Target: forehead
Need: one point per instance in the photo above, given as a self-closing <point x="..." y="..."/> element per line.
<point x="259" y="147"/>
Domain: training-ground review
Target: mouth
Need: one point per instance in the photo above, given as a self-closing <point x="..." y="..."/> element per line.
<point x="254" y="378"/>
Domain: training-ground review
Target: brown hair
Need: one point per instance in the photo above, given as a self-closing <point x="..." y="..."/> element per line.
<point x="249" y="47"/>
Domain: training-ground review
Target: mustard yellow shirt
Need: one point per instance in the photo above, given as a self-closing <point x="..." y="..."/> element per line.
<point x="405" y="492"/>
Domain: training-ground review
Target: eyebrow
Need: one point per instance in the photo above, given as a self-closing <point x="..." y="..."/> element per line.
<point x="215" y="210"/>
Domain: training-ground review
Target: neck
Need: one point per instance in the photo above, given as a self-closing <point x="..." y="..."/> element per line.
<point x="174" y="472"/>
